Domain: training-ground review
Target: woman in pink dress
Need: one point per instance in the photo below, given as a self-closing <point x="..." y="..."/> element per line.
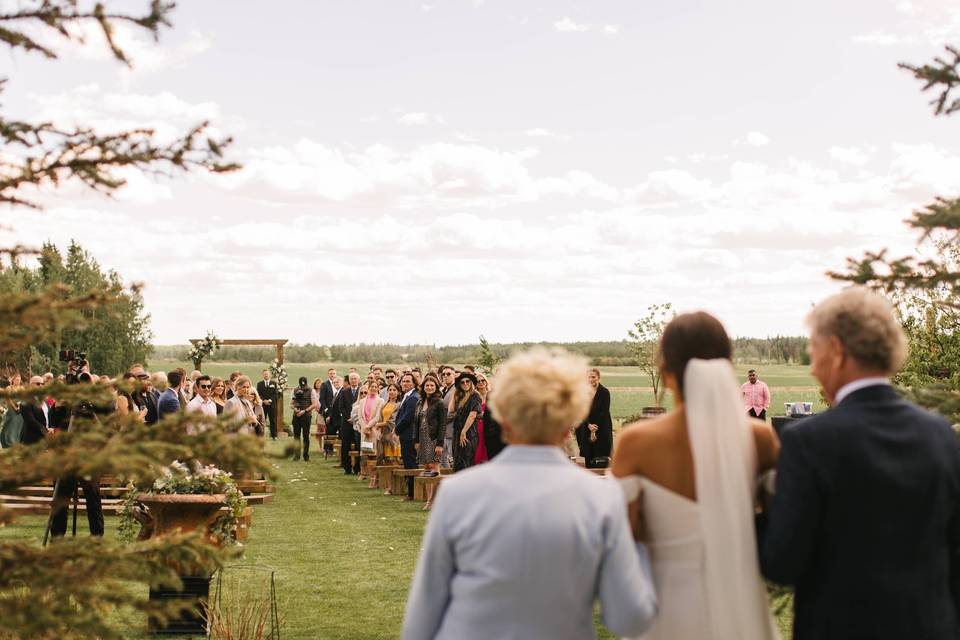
<point x="483" y="388"/>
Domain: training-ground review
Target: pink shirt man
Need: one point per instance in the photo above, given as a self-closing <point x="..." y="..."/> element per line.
<point x="755" y="395"/>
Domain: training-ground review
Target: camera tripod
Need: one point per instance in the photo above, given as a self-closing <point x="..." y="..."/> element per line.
<point x="75" y="498"/>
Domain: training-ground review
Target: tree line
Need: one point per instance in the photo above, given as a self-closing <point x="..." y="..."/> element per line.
<point x="775" y="350"/>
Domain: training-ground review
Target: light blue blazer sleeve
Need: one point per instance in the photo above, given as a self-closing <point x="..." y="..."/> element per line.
<point x="628" y="604"/>
<point x="430" y="591"/>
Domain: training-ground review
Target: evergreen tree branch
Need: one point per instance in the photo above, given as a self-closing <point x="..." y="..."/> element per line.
<point x="942" y="74"/>
<point x="61" y="15"/>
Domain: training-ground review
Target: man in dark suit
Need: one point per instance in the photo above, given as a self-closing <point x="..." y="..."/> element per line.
<point x="35" y="414"/>
<point x="406" y="429"/>
<point x="342" y="406"/>
<point x="595" y="433"/>
<point x="267" y="390"/>
<point x="327" y="394"/>
<point x="865" y="522"/>
<point x="169" y="401"/>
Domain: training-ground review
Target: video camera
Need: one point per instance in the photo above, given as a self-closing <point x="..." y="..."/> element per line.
<point x="76" y="363"/>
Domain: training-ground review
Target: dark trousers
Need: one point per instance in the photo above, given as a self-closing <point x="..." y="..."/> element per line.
<point x="409" y="455"/>
<point x="753" y="414"/>
<point x="346" y="442"/>
<point x="301" y="429"/>
<point x="271" y="411"/>
<point x="583" y="443"/>
<point x="61" y="501"/>
<point x="356" y="444"/>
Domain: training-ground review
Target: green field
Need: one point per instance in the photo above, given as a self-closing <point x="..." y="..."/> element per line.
<point x="630" y="389"/>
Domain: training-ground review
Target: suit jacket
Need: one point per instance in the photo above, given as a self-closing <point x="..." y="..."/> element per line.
<point x="406" y="413"/>
<point x="342" y="406"/>
<point x="326" y="398"/>
<point x="866" y="521"/>
<point x="35" y="424"/>
<point x="152" y="398"/>
<point x="267" y="390"/>
<point x="168" y="403"/>
<point x="521" y="548"/>
<point x="492" y="434"/>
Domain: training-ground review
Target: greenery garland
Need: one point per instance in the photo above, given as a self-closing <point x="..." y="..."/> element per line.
<point x="180" y="479"/>
<point x="203" y="349"/>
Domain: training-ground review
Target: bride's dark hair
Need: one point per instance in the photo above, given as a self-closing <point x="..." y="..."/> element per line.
<point x="689" y="336"/>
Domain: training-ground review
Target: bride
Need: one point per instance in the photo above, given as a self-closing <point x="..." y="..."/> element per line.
<point x="690" y="475"/>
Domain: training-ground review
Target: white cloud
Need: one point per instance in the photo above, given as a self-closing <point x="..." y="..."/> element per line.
<point x="419" y="118"/>
<point x="906" y="7"/>
<point x="757" y="139"/>
<point x="850" y="155"/>
<point x="882" y="38"/>
<point x="566" y="25"/>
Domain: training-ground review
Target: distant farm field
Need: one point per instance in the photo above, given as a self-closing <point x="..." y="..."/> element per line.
<point x="629" y="387"/>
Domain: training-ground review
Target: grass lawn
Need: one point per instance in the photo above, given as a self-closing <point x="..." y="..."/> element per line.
<point x="343" y="554"/>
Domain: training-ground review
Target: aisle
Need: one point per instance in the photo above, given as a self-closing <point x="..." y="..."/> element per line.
<point x="344" y="553"/>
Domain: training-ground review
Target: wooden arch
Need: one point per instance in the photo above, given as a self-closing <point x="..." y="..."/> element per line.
<point x="257" y="343"/>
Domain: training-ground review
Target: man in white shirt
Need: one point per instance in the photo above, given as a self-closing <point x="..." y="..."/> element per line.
<point x="202" y="402"/>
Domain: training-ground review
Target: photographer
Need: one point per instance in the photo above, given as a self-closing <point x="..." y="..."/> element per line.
<point x="81" y="414"/>
<point x="303" y="407"/>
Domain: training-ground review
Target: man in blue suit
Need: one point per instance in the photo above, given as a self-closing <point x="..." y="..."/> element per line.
<point x="865" y="523"/>
<point x="170" y="399"/>
<point x="406" y="430"/>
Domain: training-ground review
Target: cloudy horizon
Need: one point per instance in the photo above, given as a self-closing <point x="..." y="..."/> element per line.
<point x="426" y="172"/>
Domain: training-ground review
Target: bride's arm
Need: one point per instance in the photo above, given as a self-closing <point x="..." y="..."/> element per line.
<point x="768" y="445"/>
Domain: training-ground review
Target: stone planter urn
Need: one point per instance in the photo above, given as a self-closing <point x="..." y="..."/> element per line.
<point x="169" y="513"/>
<point x="186" y="512"/>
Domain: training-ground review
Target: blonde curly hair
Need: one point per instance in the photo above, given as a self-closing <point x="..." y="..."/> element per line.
<point x="866" y="325"/>
<point x="541" y="394"/>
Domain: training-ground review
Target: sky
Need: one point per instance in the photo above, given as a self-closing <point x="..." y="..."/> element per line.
<point x="432" y="171"/>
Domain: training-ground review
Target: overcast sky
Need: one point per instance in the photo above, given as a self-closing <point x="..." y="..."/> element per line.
<point x="430" y="171"/>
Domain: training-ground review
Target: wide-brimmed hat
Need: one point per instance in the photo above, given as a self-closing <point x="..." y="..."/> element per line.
<point x="466" y="375"/>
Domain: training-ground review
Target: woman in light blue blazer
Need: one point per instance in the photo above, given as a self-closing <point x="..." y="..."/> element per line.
<point x="522" y="547"/>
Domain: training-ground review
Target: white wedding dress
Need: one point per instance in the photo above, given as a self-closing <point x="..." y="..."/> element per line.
<point x="703" y="554"/>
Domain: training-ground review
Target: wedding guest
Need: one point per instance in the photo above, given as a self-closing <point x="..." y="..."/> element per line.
<point x="203" y="401"/>
<point x="169" y="401"/>
<point x="182" y="394"/>
<point x="406" y="427"/>
<point x="466" y="406"/>
<point x="327" y="392"/>
<point x="317" y="392"/>
<point x="500" y="558"/>
<point x="595" y="434"/>
<point x="430" y="419"/>
<point x="240" y="406"/>
<point x="189" y="391"/>
<point x="417" y="376"/>
<point x="267" y="390"/>
<point x="368" y="417"/>
<point x="756" y="396"/>
<point x="356" y="421"/>
<point x="448" y="378"/>
<point x="232" y="383"/>
<point x="690" y="475"/>
<point x="388" y="445"/>
<point x="389" y="377"/>
<point x="155" y="387"/>
<point x="483" y="387"/>
<point x="865" y="521"/>
<point x="130" y="402"/>
<point x="258" y="411"/>
<point x="219" y="394"/>
<point x="341" y="415"/>
<point x="488" y="425"/>
<point x="36" y="417"/>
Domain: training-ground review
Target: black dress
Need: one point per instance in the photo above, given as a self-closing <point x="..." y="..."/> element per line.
<point x="463" y="455"/>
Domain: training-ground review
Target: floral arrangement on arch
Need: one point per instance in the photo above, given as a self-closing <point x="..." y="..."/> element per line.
<point x="278" y="373"/>
<point x="194" y="479"/>
<point x="203" y="349"/>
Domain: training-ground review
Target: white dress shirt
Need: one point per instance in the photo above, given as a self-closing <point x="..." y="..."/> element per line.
<point x="207" y="407"/>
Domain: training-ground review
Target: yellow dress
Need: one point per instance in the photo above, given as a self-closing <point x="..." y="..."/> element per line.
<point x="390" y="450"/>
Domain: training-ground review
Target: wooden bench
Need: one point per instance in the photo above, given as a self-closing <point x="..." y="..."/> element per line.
<point x="400" y="480"/>
<point x="385" y="475"/>
<point x="420" y="484"/>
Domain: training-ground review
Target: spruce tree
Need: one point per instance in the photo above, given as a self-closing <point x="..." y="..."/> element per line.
<point x="73" y="588"/>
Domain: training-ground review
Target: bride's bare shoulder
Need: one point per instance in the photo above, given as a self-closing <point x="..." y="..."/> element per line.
<point x="640" y="433"/>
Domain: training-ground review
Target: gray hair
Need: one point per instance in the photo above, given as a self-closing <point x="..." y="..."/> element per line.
<point x="866" y="325"/>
